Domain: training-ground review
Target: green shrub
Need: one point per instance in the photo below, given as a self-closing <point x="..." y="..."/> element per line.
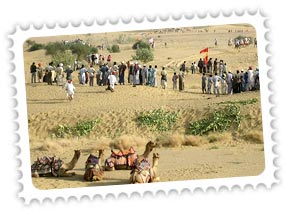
<point x="30" y="42"/>
<point x="36" y="46"/>
<point x="115" y="49"/>
<point x="123" y="39"/>
<point x="80" y="50"/>
<point x="143" y="54"/>
<point x="80" y="129"/>
<point x="53" y="48"/>
<point x="140" y="44"/>
<point x="66" y="58"/>
<point x="157" y="119"/>
<point x="94" y="50"/>
<point x="220" y="120"/>
<point x="241" y="102"/>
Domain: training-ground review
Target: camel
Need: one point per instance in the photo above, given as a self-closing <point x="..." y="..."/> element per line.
<point x="93" y="168"/>
<point x="154" y="169"/>
<point x="148" y="149"/>
<point x="145" y="174"/>
<point x="126" y="159"/>
<point x="52" y="166"/>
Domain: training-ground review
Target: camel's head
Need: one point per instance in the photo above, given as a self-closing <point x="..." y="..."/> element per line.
<point x="101" y="152"/>
<point x="77" y="152"/>
<point x="151" y="145"/>
<point x="155" y="155"/>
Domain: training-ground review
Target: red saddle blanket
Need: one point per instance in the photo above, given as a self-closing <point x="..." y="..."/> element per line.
<point x="121" y="158"/>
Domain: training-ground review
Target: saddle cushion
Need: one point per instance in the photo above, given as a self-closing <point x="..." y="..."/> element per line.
<point x="144" y="165"/>
<point x="47" y="165"/>
<point x="121" y="158"/>
<point x="92" y="159"/>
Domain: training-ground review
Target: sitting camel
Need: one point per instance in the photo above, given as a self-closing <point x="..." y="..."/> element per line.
<point x="93" y="168"/>
<point x="127" y="159"/>
<point x="143" y="173"/>
<point x="148" y="149"/>
<point x="52" y="166"/>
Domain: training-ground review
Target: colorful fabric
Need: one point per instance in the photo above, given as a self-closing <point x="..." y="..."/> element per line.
<point x="91" y="161"/>
<point x="205" y="50"/>
<point x="121" y="158"/>
<point x="144" y="165"/>
<point x="47" y="165"/>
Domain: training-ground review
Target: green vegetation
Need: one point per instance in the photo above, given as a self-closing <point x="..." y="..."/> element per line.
<point x="30" y="42"/>
<point x="143" y="54"/>
<point x="157" y="120"/>
<point x="140" y="44"/>
<point x="241" y="102"/>
<point x="114" y="49"/>
<point x="80" y="129"/>
<point x="35" y="47"/>
<point x="220" y="120"/>
<point x="123" y="39"/>
<point x="78" y="49"/>
<point x="66" y="57"/>
<point x="53" y="48"/>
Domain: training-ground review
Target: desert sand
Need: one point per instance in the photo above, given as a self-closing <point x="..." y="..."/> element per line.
<point x="234" y="153"/>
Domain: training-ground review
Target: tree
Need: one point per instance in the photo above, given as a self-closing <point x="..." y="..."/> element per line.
<point x="53" y="48"/>
<point x="143" y="54"/>
<point x="141" y="44"/>
<point x="35" y="47"/>
<point x="66" y="58"/>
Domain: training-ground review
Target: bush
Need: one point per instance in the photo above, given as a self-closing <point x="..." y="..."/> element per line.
<point x="115" y="49"/>
<point x="76" y="48"/>
<point x="241" y="102"/>
<point x="66" y="58"/>
<point x="220" y="120"/>
<point x="94" y="50"/>
<point x="123" y="39"/>
<point x="30" y="42"/>
<point x="141" y="44"/>
<point x="53" y="48"/>
<point x="80" y="129"/>
<point x="158" y="120"/>
<point x="143" y="54"/>
<point x="35" y="47"/>
<point x="80" y="50"/>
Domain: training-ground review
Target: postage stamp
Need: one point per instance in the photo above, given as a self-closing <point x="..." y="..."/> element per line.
<point x="144" y="104"/>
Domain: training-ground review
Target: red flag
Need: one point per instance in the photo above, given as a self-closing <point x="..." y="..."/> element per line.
<point x="206" y="59"/>
<point x="205" y="50"/>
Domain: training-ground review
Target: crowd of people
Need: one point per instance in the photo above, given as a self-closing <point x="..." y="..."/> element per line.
<point x="215" y="76"/>
<point x="223" y="81"/>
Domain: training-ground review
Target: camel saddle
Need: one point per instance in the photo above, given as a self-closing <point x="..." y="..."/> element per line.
<point x="123" y="159"/>
<point x="47" y="165"/>
<point x="91" y="161"/>
<point x="144" y="165"/>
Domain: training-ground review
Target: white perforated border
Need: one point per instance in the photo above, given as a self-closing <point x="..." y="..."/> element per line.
<point x="255" y="17"/>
